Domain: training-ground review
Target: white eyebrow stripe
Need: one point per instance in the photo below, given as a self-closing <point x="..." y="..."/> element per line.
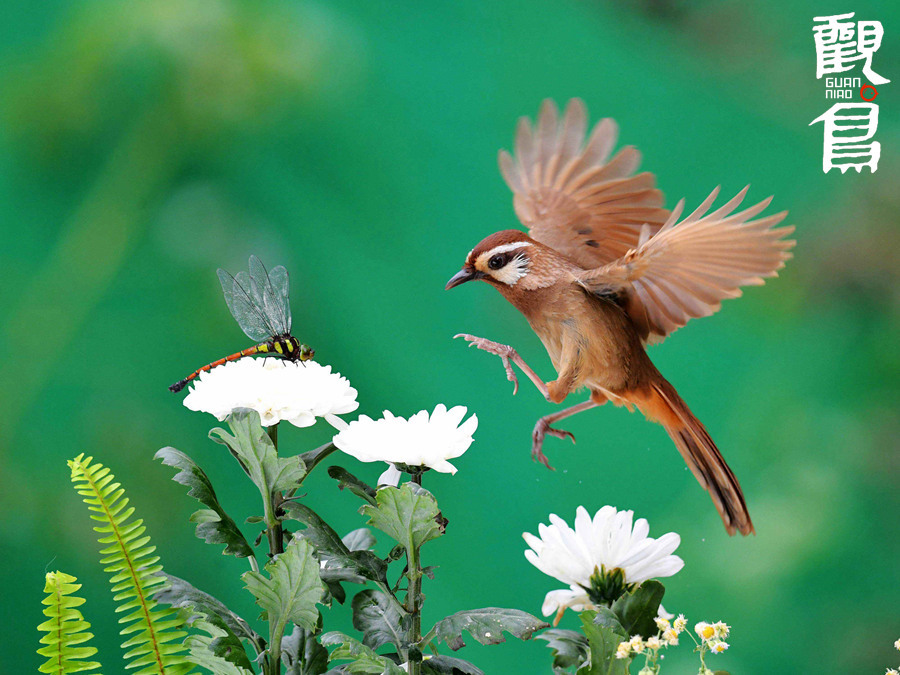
<point x="506" y="248"/>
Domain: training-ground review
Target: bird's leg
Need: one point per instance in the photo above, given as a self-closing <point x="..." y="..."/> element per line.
<point x="542" y="428"/>
<point x="507" y="354"/>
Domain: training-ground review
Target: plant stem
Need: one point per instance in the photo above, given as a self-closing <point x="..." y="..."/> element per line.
<point x="414" y="602"/>
<point x="275" y="536"/>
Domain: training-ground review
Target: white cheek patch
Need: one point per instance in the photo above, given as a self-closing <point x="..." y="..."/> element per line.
<point x="514" y="270"/>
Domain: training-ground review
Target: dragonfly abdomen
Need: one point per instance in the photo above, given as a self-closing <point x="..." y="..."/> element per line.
<point x="255" y="349"/>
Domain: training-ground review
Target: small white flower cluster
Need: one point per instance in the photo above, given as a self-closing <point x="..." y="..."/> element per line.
<point x="894" y="671"/>
<point x="666" y="637"/>
<point x="712" y="639"/>
<point x="712" y="635"/>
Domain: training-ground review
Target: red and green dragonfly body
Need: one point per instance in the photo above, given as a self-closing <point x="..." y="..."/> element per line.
<point x="259" y="303"/>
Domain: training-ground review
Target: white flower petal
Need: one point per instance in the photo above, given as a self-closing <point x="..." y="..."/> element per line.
<point x="564" y="598"/>
<point x="279" y="390"/>
<point x="390" y="477"/>
<point x="609" y="540"/>
<point x="421" y="440"/>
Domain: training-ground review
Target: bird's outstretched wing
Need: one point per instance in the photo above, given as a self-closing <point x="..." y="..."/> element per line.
<point x="687" y="268"/>
<point x="571" y="196"/>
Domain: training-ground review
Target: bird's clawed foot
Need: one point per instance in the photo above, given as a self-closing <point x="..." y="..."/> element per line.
<point x="505" y="352"/>
<point x="541" y="429"/>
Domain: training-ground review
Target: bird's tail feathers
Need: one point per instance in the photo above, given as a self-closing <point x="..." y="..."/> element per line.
<point x="664" y="405"/>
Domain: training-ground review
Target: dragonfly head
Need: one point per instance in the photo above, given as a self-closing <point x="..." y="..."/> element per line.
<point x="306" y="352"/>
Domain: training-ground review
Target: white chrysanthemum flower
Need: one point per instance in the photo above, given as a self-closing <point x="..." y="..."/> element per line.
<point x="422" y="440"/>
<point x="279" y="390"/>
<point x="606" y="542"/>
<point x="718" y="646"/>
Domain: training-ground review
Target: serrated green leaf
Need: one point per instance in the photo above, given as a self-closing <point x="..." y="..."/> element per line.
<point x="291" y="590"/>
<point x="603" y="642"/>
<point x="251" y="445"/>
<point x="380" y="619"/>
<point x="408" y="514"/>
<point x="341" y="564"/>
<point x="448" y="665"/>
<point x="363" y="660"/>
<point x="605" y="617"/>
<point x="302" y="653"/>
<point x="486" y="625"/>
<point x="570" y="648"/>
<point x="336" y="591"/>
<point x="231" y="627"/>
<point x="213" y="524"/>
<point x="207" y="651"/>
<point x="637" y="609"/>
<point x="359" y="540"/>
<point x="347" y="480"/>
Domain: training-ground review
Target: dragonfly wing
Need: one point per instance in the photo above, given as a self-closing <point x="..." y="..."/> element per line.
<point x="271" y="299"/>
<point x="243" y="307"/>
<point x="280" y="284"/>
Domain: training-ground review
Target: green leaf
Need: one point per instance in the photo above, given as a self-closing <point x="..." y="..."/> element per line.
<point x="231" y="628"/>
<point x="359" y="540"/>
<point x="156" y="635"/>
<point x="303" y="655"/>
<point x="408" y="514"/>
<point x="253" y="448"/>
<point x="213" y="524"/>
<point x="65" y="628"/>
<point x="570" y="648"/>
<point x="291" y="590"/>
<point x="637" y="609"/>
<point x="486" y="625"/>
<point x="362" y="659"/>
<point x="341" y="564"/>
<point x="312" y="458"/>
<point x="603" y="641"/>
<point x="380" y="618"/>
<point x="605" y="617"/>
<point x="206" y="650"/>
<point x="347" y="480"/>
<point x="447" y="665"/>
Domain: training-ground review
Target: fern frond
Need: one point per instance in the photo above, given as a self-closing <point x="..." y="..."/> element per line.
<point x="155" y="643"/>
<point x="65" y="628"/>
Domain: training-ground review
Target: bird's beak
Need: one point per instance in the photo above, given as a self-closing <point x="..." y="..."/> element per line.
<point x="465" y="274"/>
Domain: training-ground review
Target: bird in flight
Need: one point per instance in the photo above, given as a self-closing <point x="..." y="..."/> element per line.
<point x="606" y="270"/>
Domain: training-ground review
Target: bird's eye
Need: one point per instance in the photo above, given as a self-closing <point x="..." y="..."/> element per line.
<point x="496" y="262"/>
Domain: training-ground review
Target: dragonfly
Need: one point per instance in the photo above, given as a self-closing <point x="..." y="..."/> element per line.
<point x="259" y="302"/>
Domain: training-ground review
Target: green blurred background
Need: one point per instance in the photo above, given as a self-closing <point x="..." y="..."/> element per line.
<point x="146" y="144"/>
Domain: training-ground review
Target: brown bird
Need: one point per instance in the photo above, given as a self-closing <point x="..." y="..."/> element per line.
<point x="606" y="270"/>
